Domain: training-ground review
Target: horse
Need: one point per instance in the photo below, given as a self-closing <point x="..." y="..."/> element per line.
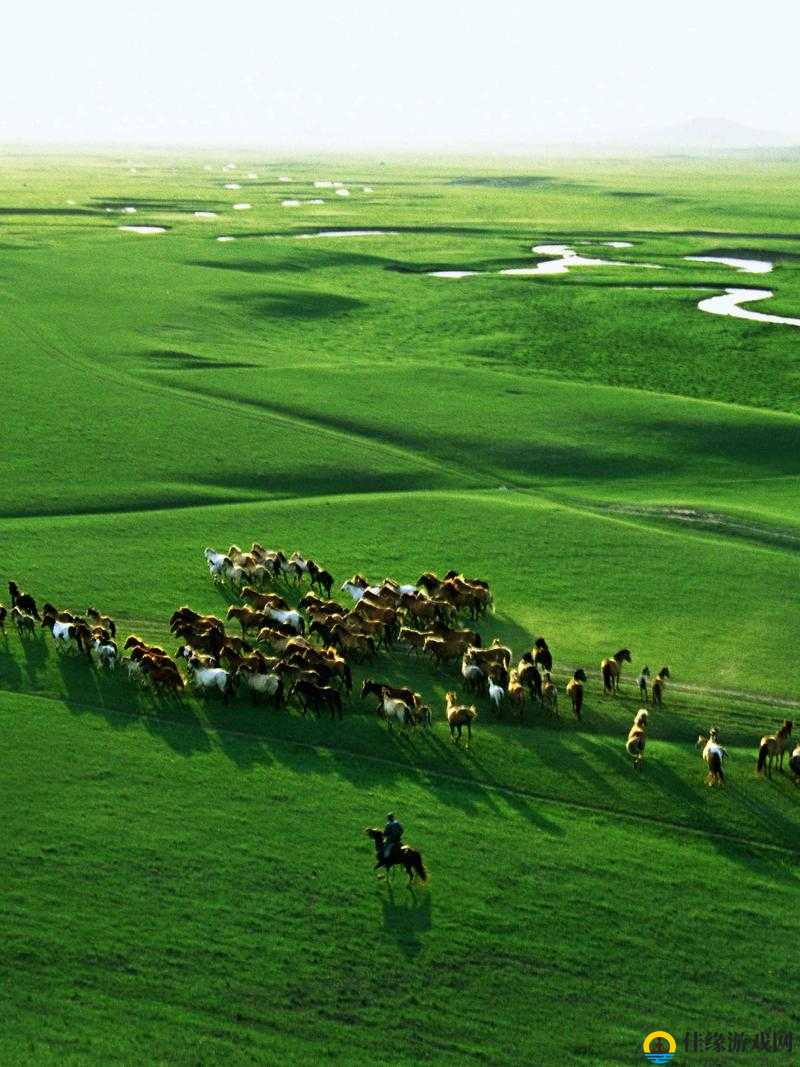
<point x="794" y="764"/>
<point x="713" y="754"/>
<point x="65" y="634"/>
<point x="474" y="677"/>
<point x="659" y="682"/>
<point x="549" y="693"/>
<point x="458" y="716"/>
<point x="321" y="578"/>
<point x="102" y="620"/>
<point x="262" y="600"/>
<point x="219" y="563"/>
<point x="393" y="709"/>
<point x="23" y="601"/>
<point x="575" y="691"/>
<point x="106" y="652"/>
<point x="637" y="738"/>
<point x="408" y="857"/>
<point x="25" y="623"/>
<point x="772" y="747"/>
<point x="642" y="682"/>
<point x="611" y="668"/>
<point x="208" y="678"/>
<point x="287" y="618"/>
<point x="318" y="697"/>
<point x="496" y="694"/>
<point x="542" y="656"/>
<point x="397" y="692"/>
<point x="261" y="683"/>
<point x="516" y="692"/>
<point x="3" y="613"/>
<point x="530" y="676"/>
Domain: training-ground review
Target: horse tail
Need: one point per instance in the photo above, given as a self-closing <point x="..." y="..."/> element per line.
<point x="715" y="764"/>
<point x="763" y="752"/>
<point x="348" y="677"/>
<point x="608" y="683"/>
<point x="112" y="627"/>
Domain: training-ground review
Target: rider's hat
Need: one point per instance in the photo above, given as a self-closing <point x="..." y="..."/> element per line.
<point x="390" y="816"/>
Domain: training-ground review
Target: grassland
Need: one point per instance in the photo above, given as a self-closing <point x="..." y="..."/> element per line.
<point x="189" y="884"/>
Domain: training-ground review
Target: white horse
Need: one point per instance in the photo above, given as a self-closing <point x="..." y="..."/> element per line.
<point x="472" y="674"/>
<point x="211" y="678"/>
<point x="396" y="711"/>
<point x="355" y="591"/>
<point x="106" y="652"/>
<point x="496" y="694"/>
<point x="267" y="684"/>
<point x="218" y="563"/>
<point x="288" y="618"/>
<point x="64" y="635"/>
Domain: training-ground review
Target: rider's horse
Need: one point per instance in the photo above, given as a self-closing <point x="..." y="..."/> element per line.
<point x="409" y="857"/>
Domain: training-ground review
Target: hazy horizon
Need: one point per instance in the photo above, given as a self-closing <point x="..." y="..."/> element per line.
<point x="357" y="78"/>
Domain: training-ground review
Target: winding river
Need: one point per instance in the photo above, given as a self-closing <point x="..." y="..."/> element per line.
<point x="727" y="303"/>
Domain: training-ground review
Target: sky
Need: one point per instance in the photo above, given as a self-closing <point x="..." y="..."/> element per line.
<point x="438" y="75"/>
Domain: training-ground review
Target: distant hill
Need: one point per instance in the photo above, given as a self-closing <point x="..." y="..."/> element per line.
<point x="714" y="134"/>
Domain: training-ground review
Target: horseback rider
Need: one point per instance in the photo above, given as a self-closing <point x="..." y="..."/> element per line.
<point x="392" y="836"/>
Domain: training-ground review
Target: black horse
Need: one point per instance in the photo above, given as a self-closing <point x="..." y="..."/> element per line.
<point x="23" y="601"/>
<point x="408" y="857"/>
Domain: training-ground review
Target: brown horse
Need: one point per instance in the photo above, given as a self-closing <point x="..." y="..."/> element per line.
<point x="549" y="693"/>
<point x="611" y="668"/>
<point x="459" y="716"/>
<point x="659" y="682"/>
<point x="772" y="747"/>
<point x="102" y="620"/>
<point x="408" y="857"/>
<point x="575" y="691"/>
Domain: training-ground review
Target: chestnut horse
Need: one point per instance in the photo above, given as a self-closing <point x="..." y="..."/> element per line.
<point x="772" y="747"/>
<point x="611" y="669"/>
<point x="459" y="716"/>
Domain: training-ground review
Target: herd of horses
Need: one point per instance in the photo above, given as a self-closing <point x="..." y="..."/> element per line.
<point x="275" y="657"/>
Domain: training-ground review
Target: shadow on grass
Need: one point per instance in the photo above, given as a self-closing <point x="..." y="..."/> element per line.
<point x="302" y="304"/>
<point x="406" y="913"/>
<point x="47" y="211"/>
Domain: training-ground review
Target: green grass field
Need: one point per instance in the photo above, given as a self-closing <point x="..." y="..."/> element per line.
<point x="186" y="883"/>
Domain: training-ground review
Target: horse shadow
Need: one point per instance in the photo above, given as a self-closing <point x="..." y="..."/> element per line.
<point x="35" y="656"/>
<point x="10" y="672"/>
<point x="407" y="914"/>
